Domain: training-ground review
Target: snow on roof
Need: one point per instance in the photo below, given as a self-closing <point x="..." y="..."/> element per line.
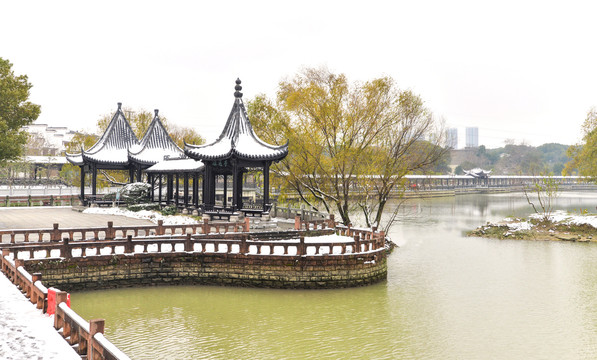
<point x="237" y="139"/>
<point x="112" y="147"/>
<point x="176" y="165"/>
<point x="155" y="145"/>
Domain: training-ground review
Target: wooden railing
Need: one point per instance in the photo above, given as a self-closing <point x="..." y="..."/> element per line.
<point x="111" y="232"/>
<point x="86" y="337"/>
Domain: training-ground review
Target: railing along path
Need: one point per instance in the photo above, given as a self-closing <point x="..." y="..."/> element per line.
<point x="111" y="232"/>
<point x="300" y="242"/>
<point x="87" y="338"/>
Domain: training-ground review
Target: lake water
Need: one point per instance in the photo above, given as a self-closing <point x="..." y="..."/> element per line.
<point x="447" y="296"/>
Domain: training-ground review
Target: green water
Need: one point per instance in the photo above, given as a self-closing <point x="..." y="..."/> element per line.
<point x="447" y="297"/>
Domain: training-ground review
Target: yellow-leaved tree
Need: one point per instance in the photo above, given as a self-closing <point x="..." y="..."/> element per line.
<point x="350" y="144"/>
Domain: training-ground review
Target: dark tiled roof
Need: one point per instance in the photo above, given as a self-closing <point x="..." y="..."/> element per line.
<point x="155" y="145"/>
<point x="237" y="139"/>
<point x="112" y="147"/>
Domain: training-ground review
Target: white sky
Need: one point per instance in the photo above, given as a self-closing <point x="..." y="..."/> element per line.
<point x="522" y="70"/>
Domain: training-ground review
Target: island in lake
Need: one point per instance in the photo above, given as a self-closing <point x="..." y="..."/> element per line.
<point x="559" y="226"/>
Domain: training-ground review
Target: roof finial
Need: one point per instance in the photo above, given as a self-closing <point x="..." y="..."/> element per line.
<point x="119" y="105"/>
<point x="156" y="111"/>
<point x="238" y="88"/>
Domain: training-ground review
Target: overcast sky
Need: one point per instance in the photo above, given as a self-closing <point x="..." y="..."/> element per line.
<point x="522" y="70"/>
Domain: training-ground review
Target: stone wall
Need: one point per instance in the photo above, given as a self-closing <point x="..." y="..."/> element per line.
<point x="321" y="271"/>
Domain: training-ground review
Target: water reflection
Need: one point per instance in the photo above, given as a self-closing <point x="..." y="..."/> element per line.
<point x="447" y="297"/>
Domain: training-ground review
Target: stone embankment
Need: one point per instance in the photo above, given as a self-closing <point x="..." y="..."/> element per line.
<point x="318" y="254"/>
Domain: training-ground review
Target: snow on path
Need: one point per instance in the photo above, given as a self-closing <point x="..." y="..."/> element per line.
<point x="152" y="216"/>
<point x="25" y="332"/>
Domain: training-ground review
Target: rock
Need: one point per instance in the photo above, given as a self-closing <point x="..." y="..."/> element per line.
<point x="566" y="237"/>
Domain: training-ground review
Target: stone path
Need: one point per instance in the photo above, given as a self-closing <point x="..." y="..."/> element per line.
<point x="25" y="332"/>
<point x="44" y="217"/>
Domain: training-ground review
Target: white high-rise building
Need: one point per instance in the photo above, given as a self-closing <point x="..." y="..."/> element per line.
<point x="472" y="137"/>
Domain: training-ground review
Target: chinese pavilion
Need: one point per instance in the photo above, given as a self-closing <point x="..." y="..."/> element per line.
<point x="236" y="150"/>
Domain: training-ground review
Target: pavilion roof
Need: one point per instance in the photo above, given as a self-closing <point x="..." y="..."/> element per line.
<point x="112" y="147"/>
<point x="237" y="139"/>
<point x="176" y="165"/>
<point x="155" y="145"/>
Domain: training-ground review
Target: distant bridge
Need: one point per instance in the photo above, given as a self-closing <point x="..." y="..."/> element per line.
<point x="445" y="182"/>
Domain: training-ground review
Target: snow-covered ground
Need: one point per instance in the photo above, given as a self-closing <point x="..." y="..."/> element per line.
<point x="567" y="218"/>
<point x="558" y="217"/>
<point x="25" y="332"/>
<point x="152" y="216"/>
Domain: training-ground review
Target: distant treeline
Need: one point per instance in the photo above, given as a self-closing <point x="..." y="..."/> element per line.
<point x="512" y="159"/>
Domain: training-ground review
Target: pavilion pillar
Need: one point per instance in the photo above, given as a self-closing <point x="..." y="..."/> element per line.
<point x="239" y="189"/>
<point x="265" y="185"/>
<point x="196" y="189"/>
<point x="131" y="174"/>
<point x="186" y="190"/>
<point x="151" y="183"/>
<point x="169" y="188"/>
<point x="235" y="181"/>
<point x="93" y="179"/>
<point x="177" y="189"/>
<point x="139" y="176"/>
<point x="160" y="189"/>
<point x="225" y="190"/>
<point x="82" y="185"/>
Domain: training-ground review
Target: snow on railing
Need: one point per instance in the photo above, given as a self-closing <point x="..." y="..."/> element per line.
<point x="324" y="241"/>
<point x="87" y="336"/>
<point x="111" y="232"/>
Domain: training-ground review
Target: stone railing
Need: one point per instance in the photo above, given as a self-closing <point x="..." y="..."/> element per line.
<point x="38" y="200"/>
<point x="301" y="224"/>
<point x="111" y="232"/>
<point x="294" y="243"/>
<point x="288" y="212"/>
<point x="86" y="337"/>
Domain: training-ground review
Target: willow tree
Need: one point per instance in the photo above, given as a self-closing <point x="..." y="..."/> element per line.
<point x="584" y="155"/>
<point x="350" y="144"/>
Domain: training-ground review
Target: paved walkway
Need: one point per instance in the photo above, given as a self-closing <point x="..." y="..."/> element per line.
<point x="25" y="332"/>
<point x="44" y="217"/>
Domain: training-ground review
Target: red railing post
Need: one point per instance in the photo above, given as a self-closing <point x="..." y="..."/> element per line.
<point x="247" y="224"/>
<point x="110" y="233"/>
<point x="59" y="319"/>
<point x="297" y="222"/>
<point x="160" y="230"/>
<point x="244" y="247"/>
<point x="55" y="234"/>
<point x="95" y="326"/>
<point x="301" y="248"/>
<point x="129" y="247"/>
<point x="188" y="244"/>
<point x="66" y="253"/>
<point x="357" y="244"/>
<point x="206" y="226"/>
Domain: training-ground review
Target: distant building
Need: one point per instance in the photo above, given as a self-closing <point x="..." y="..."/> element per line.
<point x="48" y="140"/>
<point x="452" y="138"/>
<point x="472" y="137"/>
